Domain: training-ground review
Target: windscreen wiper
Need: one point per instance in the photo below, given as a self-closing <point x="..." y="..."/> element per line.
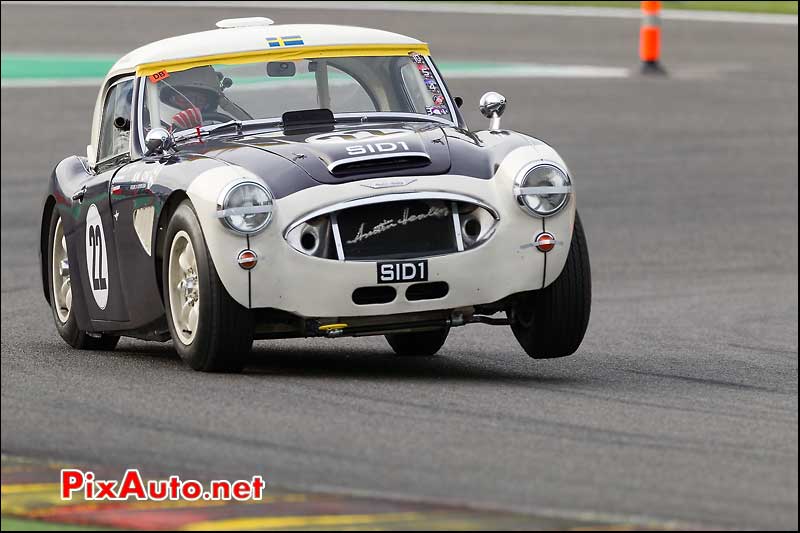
<point x="208" y="130"/>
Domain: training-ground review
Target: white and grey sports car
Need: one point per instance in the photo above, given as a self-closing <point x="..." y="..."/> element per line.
<point x="261" y="181"/>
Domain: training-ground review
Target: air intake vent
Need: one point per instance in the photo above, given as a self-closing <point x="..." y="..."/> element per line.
<point x="427" y="291"/>
<point x="374" y="295"/>
<point x="378" y="163"/>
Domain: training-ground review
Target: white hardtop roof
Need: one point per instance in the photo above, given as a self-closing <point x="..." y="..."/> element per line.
<point x="251" y="38"/>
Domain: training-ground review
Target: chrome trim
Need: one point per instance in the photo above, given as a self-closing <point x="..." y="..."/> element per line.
<point x="391" y="197"/>
<point x="389" y="183"/>
<point x="533" y="244"/>
<point x="223" y="198"/>
<point x="535" y="191"/>
<point x="457" y="227"/>
<point x="492" y="106"/>
<point x="251" y="210"/>
<point x="517" y="189"/>
<point x="393" y="116"/>
<point x="337" y="237"/>
<point x="139" y="112"/>
<point x="241" y="261"/>
<point x="390" y="155"/>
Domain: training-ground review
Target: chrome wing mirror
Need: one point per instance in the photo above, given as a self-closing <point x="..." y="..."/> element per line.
<point x="158" y="141"/>
<point x="492" y="106"/>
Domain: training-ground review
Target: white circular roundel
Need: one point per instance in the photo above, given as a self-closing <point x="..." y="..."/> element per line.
<point x="96" y="257"/>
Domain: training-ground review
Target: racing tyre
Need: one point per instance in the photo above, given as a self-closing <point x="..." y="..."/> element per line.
<point x="60" y="287"/>
<point x="210" y="330"/>
<point x="551" y="322"/>
<point x="418" y="344"/>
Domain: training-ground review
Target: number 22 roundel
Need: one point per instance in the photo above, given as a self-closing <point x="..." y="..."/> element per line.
<point x="96" y="257"/>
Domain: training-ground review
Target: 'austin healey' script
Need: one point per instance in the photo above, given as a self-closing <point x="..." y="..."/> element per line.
<point x="389" y="223"/>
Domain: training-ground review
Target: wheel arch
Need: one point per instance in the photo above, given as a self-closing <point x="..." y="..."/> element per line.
<point x="175" y="199"/>
<point x="44" y="237"/>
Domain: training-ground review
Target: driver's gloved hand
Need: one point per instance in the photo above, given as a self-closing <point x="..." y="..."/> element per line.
<point x="188" y="118"/>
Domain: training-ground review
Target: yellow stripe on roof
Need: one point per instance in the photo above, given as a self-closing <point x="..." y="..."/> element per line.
<point x="283" y="54"/>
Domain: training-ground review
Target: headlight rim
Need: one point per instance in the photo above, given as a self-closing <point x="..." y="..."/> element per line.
<point x="225" y="194"/>
<point x="519" y="180"/>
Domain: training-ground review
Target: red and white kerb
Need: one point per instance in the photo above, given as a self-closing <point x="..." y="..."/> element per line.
<point x="247" y="259"/>
<point x="545" y="242"/>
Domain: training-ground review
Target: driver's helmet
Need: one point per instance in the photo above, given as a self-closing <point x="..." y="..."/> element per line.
<point x="196" y="87"/>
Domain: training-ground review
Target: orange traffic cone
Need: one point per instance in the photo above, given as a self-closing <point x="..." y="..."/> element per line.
<point x="650" y="38"/>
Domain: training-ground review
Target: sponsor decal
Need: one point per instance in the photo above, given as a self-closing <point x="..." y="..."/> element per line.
<point x="432" y="85"/>
<point x="158" y="76"/>
<point x="439" y="106"/>
<point x="96" y="256"/>
<point x="389" y="223"/>
<point x="436" y="110"/>
<point x="286" y="40"/>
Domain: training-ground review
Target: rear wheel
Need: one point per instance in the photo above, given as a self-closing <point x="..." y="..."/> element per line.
<point x="551" y="322"/>
<point x="210" y="330"/>
<point x="61" y="297"/>
<point x="418" y="344"/>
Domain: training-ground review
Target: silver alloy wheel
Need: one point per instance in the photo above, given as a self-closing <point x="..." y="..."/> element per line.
<point x="62" y="287"/>
<point x="184" y="288"/>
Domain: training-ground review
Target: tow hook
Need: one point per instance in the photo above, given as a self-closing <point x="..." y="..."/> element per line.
<point x="333" y="330"/>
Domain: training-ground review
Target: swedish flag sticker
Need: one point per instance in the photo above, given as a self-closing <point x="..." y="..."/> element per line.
<point x="287" y="40"/>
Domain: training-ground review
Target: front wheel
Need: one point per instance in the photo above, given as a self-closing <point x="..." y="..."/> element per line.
<point x="210" y="330"/>
<point x="61" y="297"/>
<point x="551" y="322"/>
<point x="417" y="344"/>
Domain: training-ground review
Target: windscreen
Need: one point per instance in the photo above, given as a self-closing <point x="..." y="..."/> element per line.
<point x="211" y="94"/>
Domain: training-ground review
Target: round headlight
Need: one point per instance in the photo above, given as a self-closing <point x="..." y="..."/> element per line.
<point x="245" y="207"/>
<point x="542" y="190"/>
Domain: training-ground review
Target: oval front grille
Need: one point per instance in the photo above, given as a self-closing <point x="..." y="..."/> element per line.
<point x="398" y="230"/>
<point x="394" y="226"/>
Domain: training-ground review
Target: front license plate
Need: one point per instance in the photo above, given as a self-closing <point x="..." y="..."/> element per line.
<point x="402" y="271"/>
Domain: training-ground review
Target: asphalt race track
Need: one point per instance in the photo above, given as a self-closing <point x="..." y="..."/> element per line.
<point x="681" y="403"/>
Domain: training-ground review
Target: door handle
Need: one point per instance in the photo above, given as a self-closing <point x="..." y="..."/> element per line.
<point x="78" y="196"/>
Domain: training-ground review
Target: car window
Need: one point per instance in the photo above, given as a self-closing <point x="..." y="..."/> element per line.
<point x="418" y="93"/>
<point x="347" y="95"/>
<point x="115" y="139"/>
<point x="209" y="94"/>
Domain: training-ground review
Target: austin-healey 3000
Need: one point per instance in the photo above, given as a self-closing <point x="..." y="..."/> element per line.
<point x="262" y="181"/>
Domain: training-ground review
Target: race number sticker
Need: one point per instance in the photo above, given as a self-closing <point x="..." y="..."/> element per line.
<point x="96" y="257"/>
